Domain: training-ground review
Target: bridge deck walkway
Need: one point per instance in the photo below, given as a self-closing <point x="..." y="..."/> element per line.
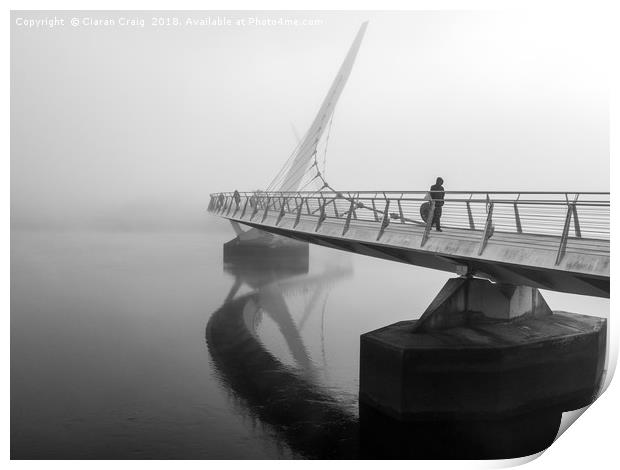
<point x="555" y="244"/>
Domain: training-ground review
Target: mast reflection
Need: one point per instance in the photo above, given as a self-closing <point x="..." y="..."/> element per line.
<point x="309" y="420"/>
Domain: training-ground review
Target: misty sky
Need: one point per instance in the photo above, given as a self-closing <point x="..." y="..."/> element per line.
<point x="116" y="123"/>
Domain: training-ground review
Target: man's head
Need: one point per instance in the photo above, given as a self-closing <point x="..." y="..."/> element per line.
<point x="439" y="180"/>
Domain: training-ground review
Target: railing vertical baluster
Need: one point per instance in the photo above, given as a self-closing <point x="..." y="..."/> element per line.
<point x="281" y="214"/>
<point x="374" y="210"/>
<point x="564" y="238"/>
<point x="576" y="221"/>
<point x="429" y="223"/>
<point x="245" y="206"/>
<point x="266" y="209"/>
<point x="230" y="204"/>
<point x="256" y="207"/>
<point x="400" y="211"/>
<point x="470" y="216"/>
<point x="386" y="219"/>
<point x="322" y="215"/>
<point x="299" y="210"/>
<point x="576" y="217"/>
<point x="348" y="221"/>
<point x="488" y="227"/>
<point x="517" y="218"/>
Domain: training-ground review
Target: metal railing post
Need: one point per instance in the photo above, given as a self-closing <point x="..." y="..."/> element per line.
<point x="374" y="210"/>
<point x="245" y="206"/>
<point x="322" y="215"/>
<point x="299" y="210"/>
<point x="266" y="209"/>
<point x="281" y="214"/>
<point x="348" y="221"/>
<point x="256" y="208"/>
<point x="470" y="216"/>
<point x="386" y="219"/>
<point x="429" y="223"/>
<point x="488" y="228"/>
<point x="576" y="217"/>
<point x="517" y="219"/>
<point x="400" y="212"/>
<point x="576" y="221"/>
<point x="564" y="238"/>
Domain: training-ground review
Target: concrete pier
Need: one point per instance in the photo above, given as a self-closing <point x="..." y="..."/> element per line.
<point x="267" y="248"/>
<point x="383" y="437"/>
<point x="482" y="351"/>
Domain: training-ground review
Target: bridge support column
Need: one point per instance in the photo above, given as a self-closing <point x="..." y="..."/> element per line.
<point x="464" y="299"/>
<point x="482" y="351"/>
<point x="265" y="248"/>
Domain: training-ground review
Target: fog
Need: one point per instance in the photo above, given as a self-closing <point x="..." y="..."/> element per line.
<point x="132" y="128"/>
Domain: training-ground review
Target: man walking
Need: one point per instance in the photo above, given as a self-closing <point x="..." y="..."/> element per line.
<point x="437" y="193"/>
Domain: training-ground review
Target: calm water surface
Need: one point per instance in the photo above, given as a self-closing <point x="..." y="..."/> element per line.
<point x="144" y="345"/>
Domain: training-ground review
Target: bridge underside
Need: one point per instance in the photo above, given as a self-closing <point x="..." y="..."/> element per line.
<point x="524" y="260"/>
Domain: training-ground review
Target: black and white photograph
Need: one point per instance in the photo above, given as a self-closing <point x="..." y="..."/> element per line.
<point x="308" y="234"/>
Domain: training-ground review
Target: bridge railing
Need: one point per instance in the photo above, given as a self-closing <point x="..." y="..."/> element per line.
<point x="583" y="215"/>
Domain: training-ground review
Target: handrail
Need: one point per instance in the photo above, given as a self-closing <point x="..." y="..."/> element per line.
<point x="583" y="215"/>
<point x="422" y="192"/>
<point x="383" y="195"/>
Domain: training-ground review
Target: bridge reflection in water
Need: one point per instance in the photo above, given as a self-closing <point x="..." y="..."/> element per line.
<point x="307" y="416"/>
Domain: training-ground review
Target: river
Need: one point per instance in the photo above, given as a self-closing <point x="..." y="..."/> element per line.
<point x="144" y="345"/>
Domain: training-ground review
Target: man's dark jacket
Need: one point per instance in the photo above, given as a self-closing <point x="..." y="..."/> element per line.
<point x="437" y="194"/>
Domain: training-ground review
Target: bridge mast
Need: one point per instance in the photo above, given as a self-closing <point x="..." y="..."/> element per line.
<point x="299" y="164"/>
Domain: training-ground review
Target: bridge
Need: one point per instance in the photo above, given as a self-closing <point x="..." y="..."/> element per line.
<point x="550" y="240"/>
<point x="488" y="345"/>
<point x="555" y="241"/>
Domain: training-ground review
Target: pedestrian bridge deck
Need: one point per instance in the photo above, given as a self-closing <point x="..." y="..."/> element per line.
<point x="557" y="241"/>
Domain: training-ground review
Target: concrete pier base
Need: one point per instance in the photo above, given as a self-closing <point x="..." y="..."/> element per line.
<point x="267" y="249"/>
<point x="510" y="356"/>
<point x="383" y="437"/>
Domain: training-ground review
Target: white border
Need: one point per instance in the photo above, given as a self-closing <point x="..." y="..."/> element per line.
<point x="590" y="442"/>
